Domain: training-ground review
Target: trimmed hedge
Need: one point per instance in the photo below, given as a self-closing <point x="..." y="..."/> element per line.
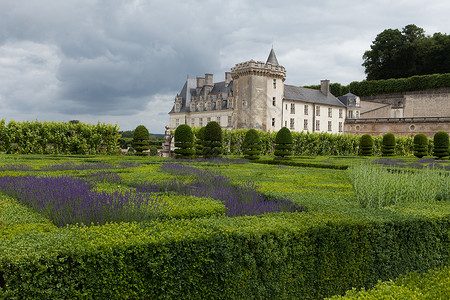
<point x="184" y="141"/>
<point x="212" y="146"/>
<point x="441" y="144"/>
<point x="420" y="145"/>
<point x="389" y="86"/>
<point x="284" y="256"/>
<point x="283" y="143"/>
<point x="388" y="147"/>
<point x="141" y="140"/>
<point x="366" y="145"/>
<point x="251" y="145"/>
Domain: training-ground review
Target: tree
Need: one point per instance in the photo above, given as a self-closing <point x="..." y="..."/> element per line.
<point x="420" y="145"/>
<point x="184" y="141"/>
<point x="141" y="140"/>
<point x="283" y="143"/>
<point x="251" y="145"/>
<point x="441" y="144"/>
<point x="388" y="145"/>
<point x="212" y="146"/>
<point x="366" y="145"/>
<point x="400" y="54"/>
<point x="199" y="141"/>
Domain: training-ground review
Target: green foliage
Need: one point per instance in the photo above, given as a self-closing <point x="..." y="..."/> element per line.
<point x="432" y="285"/>
<point x="388" y="147"/>
<point x="366" y="145"/>
<point x="420" y="145"/>
<point x="377" y="187"/>
<point x="141" y="140"/>
<point x="58" y="138"/>
<point x="251" y="145"/>
<point x="283" y="143"/>
<point x="184" y="141"/>
<point x="441" y="144"/>
<point x="399" y="54"/>
<point x="212" y="146"/>
<point x="199" y="141"/>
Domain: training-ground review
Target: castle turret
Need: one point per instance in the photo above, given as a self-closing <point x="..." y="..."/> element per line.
<point x="259" y="89"/>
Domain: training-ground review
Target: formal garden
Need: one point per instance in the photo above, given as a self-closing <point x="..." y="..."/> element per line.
<point x="243" y="215"/>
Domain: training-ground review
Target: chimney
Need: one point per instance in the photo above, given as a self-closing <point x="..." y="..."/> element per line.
<point x="209" y="79"/>
<point x="200" y="84"/>
<point x="325" y="87"/>
<point x="227" y="78"/>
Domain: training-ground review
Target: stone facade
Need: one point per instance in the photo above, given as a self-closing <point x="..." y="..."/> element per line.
<point x="254" y="95"/>
<point x="405" y="114"/>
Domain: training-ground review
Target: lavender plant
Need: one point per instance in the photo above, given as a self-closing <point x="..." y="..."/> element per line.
<point x="72" y="166"/>
<point x="16" y="167"/>
<point x="241" y="199"/>
<point x="67" y="200"/>
<point x="376" y="187"/>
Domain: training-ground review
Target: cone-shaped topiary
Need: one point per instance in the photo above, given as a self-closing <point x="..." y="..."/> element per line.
<point x="366" y="145"/>
<point x="251" y="145"/>
<point x="420" y="145"/>
<point x="388" y="146"/>
<point x="212" y="146"/>
<point x="441" y="144"/>
<point x="283" y="143"/>
<point x="184" y="141"/>
<point x="141" y="140"/>
<point x="199" y="141"/>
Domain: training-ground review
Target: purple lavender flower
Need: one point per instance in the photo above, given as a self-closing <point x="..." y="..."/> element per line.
<point x="69" y="200"/>
<point x="241" y="199"/>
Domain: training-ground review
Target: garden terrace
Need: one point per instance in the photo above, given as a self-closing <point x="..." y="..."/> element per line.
<point x="193" y="249"/>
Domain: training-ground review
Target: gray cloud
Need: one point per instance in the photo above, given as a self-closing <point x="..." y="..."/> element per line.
<point x="124" y="61"/>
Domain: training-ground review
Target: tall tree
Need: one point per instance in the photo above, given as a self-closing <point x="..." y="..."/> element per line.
<point x="397" y="54"/>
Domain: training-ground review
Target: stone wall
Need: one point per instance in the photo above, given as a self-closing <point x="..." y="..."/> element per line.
<point x="398" y="126"/>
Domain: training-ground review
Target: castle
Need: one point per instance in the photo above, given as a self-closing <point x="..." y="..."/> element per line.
<point x="253" y="95"/>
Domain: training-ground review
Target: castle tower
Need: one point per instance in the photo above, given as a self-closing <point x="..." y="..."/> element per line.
<point x="258" y="89"/>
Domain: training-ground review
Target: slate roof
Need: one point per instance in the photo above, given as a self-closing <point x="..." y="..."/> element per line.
<point x="272" y="58"/>
<point x="189" y="90"/>
<point x="296" y="93"/>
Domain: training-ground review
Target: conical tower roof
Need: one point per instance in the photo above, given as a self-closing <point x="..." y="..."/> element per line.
<point x="272" y="58"/>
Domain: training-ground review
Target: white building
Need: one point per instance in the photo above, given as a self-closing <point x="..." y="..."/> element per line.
<point x="254" y="95"/>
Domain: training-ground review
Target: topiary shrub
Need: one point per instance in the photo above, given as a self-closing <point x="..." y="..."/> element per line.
<point x="212" y="146"/>
<point x="141" y="140"/>
<point x="251" y="145"/>
<point x="184" y="141"/>
<point x="199" y="141"/>
<point x="441" y="144"/>
<point x="283" y="143"/>
<point x="366" y="145"/>
<point x="420" y="145"/>
<point x="388" y="145"/>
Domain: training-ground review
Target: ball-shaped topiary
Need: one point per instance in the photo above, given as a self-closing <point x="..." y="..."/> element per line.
<point x="366" y="145"/>
<point x="388" y="145"/>
<point x="184" y="141"/>
<point x="441" y="144"/>
<point x="141" y="140"/>
<point x="199" y="141"/>
<point x="251" y="145"/>
<point x="283" y="143"/>
<point x="212" y="146"/>
<point x="420" y="145"/>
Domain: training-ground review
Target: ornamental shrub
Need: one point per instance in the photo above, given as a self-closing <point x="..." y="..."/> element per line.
<point x="184" y="141"/>
<point x="366" y="145"/>
<point x="441" y="144"/>
<point x="251" y="145"/>
<point x="388" y="146"/>
<point x="199" y="141"/>
<point x="420" y="145"/>
<point x="141" y="140"/>
<point x="212" y="146"/>
<point x="283" y="143"/>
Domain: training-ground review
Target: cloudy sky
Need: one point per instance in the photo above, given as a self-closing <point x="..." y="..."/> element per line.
<point x="123" y="61"/>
